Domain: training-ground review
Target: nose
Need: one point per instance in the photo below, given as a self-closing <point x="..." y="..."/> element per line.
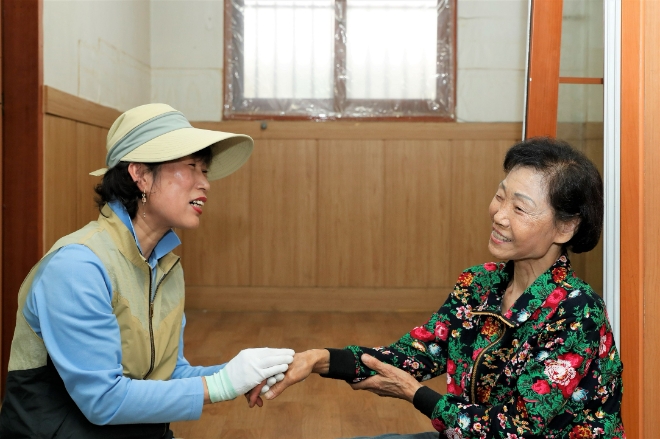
<point x="500" y="216"/>
<point x="204" y="182"/>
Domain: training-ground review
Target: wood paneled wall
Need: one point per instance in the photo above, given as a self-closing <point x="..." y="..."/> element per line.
<point x="324" y="216"/>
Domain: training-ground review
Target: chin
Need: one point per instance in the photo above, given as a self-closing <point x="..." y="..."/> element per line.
<point x="498" y="254"/>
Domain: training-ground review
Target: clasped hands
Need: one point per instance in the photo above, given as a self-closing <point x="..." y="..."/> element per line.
<point x="250" y="369"/>
<point x="389" y="380"/>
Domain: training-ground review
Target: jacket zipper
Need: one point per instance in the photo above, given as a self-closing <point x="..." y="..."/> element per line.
<point x="481" y="354"/>
<point x="151" y="316"/>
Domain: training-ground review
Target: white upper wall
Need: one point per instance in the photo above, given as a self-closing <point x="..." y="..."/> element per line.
<point x="187" y="56"/>
<point x="99" y="50"/>
<point x="491" y="45"/>
<point x="123" y="53"/>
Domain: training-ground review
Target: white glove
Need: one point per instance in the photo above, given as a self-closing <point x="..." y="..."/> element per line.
<point x="271" y="381"/>
<point x="246" y="370"/>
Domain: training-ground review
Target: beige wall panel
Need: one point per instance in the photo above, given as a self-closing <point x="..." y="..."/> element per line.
<point x="60" y="178"/>
<point x="417" y="213"/>
<point x="90" y="154"/>
<point x="241" y="299"/>
<point x="351" y="207"/>
<point x="476" y="172"/>
<point x="218" y="252"/>
<point x="283" y="212"/>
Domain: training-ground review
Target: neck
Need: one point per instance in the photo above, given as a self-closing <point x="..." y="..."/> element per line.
<point x="147" y="235"/>
<point x="526" y="271"/>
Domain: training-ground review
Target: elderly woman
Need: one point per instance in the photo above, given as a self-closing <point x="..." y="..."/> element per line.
<point x="98" y="345"/>
<point x="526" y="344"/>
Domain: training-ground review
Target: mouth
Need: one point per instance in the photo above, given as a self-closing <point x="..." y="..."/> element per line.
<point x="499" y="237"/>
<point x="198" y="204"/>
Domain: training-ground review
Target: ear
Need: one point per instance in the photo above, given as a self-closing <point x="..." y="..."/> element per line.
<point x="566" y="230"/>
<point x="140" y="176"/>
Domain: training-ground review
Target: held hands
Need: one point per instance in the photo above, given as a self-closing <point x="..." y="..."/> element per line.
<point x="246" y="371"/>
<point x="304" y="363"/>
<point x="390" y="381"/>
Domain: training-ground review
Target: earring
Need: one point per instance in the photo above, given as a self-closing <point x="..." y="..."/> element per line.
<point x="144" y="201"/>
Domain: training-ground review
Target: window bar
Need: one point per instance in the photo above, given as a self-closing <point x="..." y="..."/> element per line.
<point x="340" y="56"/>
<point x="234" y="23"/>
<point x="294" y="11"/>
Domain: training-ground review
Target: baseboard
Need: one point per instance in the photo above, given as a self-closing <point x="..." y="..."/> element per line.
<point x="241" y="299"/>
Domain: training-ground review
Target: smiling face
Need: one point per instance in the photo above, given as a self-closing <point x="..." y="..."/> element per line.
<point x="176" y="195"/>
<point x="523" y="222"/>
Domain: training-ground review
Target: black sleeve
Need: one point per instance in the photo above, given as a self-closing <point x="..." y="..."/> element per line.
<point x="342" y="364"/>
<point x="425" y="400"/>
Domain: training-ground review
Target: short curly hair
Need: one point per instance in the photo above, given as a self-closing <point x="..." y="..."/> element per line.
<point x="117" y="183"/>
<point x="575" y="187"/>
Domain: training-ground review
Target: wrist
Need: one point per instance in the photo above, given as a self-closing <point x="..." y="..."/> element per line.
<point x="321" y="360"/>
<point x="207" y="398"/>
<point x="412" y="391"/>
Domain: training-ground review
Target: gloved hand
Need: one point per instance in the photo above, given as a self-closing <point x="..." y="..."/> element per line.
<point x="246" y="370"/>
<point x="272" y="380"/>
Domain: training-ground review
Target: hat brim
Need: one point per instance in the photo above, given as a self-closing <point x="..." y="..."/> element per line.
<point x="229" y="151"/>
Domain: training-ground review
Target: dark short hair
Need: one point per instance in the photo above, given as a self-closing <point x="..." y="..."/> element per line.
<point x="117" y="183"/>
<point x="575" y="187"/>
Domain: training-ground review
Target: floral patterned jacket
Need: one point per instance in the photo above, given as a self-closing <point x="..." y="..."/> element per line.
<point x="547" y="368"/>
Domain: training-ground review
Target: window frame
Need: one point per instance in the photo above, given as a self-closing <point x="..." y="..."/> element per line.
<point x="339" y="99"/>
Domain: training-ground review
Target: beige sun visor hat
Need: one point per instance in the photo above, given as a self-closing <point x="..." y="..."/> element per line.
<point x="156" y="133"/>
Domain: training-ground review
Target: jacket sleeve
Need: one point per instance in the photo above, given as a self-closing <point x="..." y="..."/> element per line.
<point x="547" y="375"/>
<point x="422" y="352"/>
<point x="69" y="307"/>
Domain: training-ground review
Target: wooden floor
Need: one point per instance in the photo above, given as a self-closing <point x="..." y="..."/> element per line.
<point x="315" y="409"/>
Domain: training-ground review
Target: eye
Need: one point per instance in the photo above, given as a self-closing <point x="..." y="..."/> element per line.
<point x="519" y="209"/>
<point x="498" y="197"/>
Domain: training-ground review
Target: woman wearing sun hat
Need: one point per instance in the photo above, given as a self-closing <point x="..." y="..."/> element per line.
<point x="98" y="345"/>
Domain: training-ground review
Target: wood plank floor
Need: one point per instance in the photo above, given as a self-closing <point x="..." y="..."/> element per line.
<point x="317" y="408"/>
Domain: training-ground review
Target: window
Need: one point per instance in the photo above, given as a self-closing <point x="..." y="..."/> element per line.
<point x="331" y="59"/>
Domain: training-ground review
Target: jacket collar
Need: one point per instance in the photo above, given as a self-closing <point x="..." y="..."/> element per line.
<point x="557" y="276"/>
<point x="127" y="243"/>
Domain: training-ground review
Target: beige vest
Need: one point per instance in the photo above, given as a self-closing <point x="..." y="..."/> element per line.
<point x="149" y="331"/>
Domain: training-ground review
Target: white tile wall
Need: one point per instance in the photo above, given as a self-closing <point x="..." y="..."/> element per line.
<point x="98" y="50"/>
<point x="494" y="95"/>
<point x="197" y="93"/>
<point x="186" y="34"/>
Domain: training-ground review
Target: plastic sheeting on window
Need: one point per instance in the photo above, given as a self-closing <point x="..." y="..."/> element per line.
<point x="332" y="59"/>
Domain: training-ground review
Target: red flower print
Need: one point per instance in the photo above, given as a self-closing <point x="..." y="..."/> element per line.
<point x="454" y="388"/>
<point x="451" y="367"/>
<point x="572" y="358"/>
<point x="508" y="314"/>
<point x="541" y="387"/>
<point x="438" y="425"/>
<point x="476" y="353"/>
<point x="605" y="342"/>
<point x="421" y="333"/>
<point x="490" y="266"/>
<point x="580" y="432"/>
<point x="557" y="295"/>
<point x="465" y="279"/>
<point x="441" y="330"/>
<point x="536" y="314"/>
<point x="558" y="274"/>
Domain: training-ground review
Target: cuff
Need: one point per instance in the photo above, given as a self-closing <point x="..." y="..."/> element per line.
<point x="342" y="364"/>
<point x="425" y="400"/>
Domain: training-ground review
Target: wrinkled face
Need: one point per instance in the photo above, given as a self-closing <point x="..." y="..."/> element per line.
<point x="523" y="224"/>
<point x="177" y="194"/>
